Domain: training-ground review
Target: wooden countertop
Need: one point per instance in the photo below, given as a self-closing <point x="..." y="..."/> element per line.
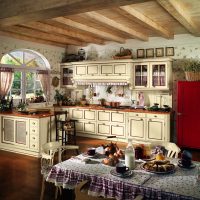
<point x="124" y="109"/>
<point x="18" y="114"/>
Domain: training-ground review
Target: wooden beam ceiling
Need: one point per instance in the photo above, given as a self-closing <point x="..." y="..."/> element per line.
<point x="61" y="31"/>
<point x="41" y="35"/>
<point x="18" y="12"/>
<point x="112" y="23"/>
<point x="146" y="21"/>
<point x="31" y="39"/>
<point x="90" y="29"/>
<point x="176" y="9"/>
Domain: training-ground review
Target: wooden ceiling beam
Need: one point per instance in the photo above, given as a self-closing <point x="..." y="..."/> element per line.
<point x="30" y="39"/>
<point x="147" y="22"/>
<point x="19" y="12"/>
<point x="99" y="33"/>
<point x="61" y="31"/>
<point x="109" y="22"/>
<point x="176" y="9"/>
<point x="41" y="35"/>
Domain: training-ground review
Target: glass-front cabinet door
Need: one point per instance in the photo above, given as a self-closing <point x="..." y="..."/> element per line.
<point x="141" y="73"/>
<point x="66" y="76"/>
<point x="158" y="75"/>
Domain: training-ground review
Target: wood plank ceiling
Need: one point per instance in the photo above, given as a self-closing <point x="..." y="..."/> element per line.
<point x="79" y="22"/>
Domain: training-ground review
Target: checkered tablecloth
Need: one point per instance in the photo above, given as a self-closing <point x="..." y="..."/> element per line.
<point x="179" y="185"/>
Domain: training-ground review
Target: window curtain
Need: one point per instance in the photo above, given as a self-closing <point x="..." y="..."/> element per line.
<point x="6" y="78"/>
<point x="44" y="77"/>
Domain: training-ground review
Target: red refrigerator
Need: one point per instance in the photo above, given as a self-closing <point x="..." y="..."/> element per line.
<point x="188" y="114"/>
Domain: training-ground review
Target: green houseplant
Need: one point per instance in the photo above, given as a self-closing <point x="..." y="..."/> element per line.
<point x="191" y="68"/>
<point x="58" y="97"/>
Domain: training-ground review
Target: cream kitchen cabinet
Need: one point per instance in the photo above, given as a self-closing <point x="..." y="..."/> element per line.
<point x="111" y="123"/>
<point x="24" y="135"/>
<point x="145" y="126"/>
<point x="152" y="74"/>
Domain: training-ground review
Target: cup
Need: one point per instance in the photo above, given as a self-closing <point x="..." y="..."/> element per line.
<point x="185" y="162"/>
<point x="91" y="151"/>
<point x="121" y="168"/>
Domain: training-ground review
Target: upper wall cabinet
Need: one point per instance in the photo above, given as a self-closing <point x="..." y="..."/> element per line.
<point x="98" y="71"/>
<point x="152" y="74"/>
<point x="66" y="75"/>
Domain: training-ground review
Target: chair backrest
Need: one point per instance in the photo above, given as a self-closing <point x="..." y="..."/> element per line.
<point x="172" y="149"/>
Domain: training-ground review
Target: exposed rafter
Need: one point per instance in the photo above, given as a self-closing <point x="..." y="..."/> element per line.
<point x="147" y="22"/>
<point x="18" y="12"/>
<point x="109" y="22"/>
<point x="177" y="10"/>
<point x="32" y="39"/>
<point x="41" y="35"/>
<point x="61" y="31"/>
<point x="90" y="29"/>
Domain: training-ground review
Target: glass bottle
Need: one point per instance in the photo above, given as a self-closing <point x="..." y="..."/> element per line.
<point x="130" y="155"/>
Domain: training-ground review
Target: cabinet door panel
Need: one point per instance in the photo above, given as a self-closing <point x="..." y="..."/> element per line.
<point x="8" y="130"/>
<point x="89" y="127"/>
<point x="106" y="69"/>
<point x="118" y="130"/>
<point x="137" y="126"/>
<point x="80" y="70"/>
<point x="79" y="126"/>
<point x="103" y="116"/>
<point x="117" y="117"/>
<point x="92" y="69"/>
<point x="103" y="129"/>
<point x="120" y="69"/>
<point x="90" y="114"/>
<point x="155" y="129"/>
<point x="21" y="132"/>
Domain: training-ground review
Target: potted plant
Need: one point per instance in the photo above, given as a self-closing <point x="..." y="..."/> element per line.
<point x="102" y="101"/>
<point x="58" y="98"/>
<point x="191" y="68"/>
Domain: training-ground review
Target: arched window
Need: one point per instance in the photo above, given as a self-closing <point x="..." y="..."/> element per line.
<point x="26" y="64"/>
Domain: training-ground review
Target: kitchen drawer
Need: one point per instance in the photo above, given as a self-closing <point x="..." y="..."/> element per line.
<point x="79" y="126"/>
<point x="135" y="114"/>
<point x="77" y="114"/>
<point x="156" y="116"/>
<point x="90" y="127"/>
<point x="120" y="69"/>
<point x="90" y="114"/>
<point x="103" y="116"/>
<point x="103" y="129"/>
<point x="118" y="117"/>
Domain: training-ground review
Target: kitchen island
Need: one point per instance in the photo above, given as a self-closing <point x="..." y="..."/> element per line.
<point x="24" y="133"/>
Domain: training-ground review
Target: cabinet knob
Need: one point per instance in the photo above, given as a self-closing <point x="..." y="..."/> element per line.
<point x="155" y="115"/>
<point x="141" y="119"/>
<point x="136" y="115"/>
<point x="33" y="130"/>
<point x="34" y="138"/>
<point x="33" y="145"/>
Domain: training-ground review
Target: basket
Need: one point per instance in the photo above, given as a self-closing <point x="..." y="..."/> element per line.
<point x="122" y="57"/>
<point x="123" y="54"/>
<point x="192" y="76"/>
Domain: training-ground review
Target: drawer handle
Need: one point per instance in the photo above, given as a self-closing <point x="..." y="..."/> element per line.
<point x="33" y="123"/>
<point x="155" y="115"/>
<point x="141" y="119"/>
<point x="33" y="145"/>
<point x="150" y="119"/>
<point x="33" y="130"/>
<point x="103" y="123"/>
<point x="136" y="115"/>
<point x="34" y="138"/>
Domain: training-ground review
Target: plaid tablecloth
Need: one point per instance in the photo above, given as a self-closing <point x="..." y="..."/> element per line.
<point x="179" y="185"/>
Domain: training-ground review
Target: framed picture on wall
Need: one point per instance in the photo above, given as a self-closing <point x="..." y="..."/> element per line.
<point x="150" y="53"/>
<point x="159" y="52"/>
<point x="169" y="51"/>
<point x="140" y="53"/>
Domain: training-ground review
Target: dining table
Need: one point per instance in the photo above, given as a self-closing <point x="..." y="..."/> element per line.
<point x="180" y="184"/>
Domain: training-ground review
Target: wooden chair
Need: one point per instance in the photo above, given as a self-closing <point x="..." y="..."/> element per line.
<point x="48" y="160"/>
<point x="65" y="126"/>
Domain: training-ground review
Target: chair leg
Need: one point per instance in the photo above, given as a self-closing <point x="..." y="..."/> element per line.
<point x="43" y="188"/>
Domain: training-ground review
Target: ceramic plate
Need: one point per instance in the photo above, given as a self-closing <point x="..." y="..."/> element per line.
<point x="190" y="167"/>
<point x="155" y="172"/>
<point x="124" y="175"/>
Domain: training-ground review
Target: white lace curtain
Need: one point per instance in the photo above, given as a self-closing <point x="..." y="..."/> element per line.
<point x="6" y="78"/>
<point x="44" y="77"/>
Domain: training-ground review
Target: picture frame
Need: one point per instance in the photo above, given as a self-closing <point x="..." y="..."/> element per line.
<point x="169" y="51"/>
<point x="140" y="53"/>
<point x="150" y="53"/>
<point x="160" y="52"/>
